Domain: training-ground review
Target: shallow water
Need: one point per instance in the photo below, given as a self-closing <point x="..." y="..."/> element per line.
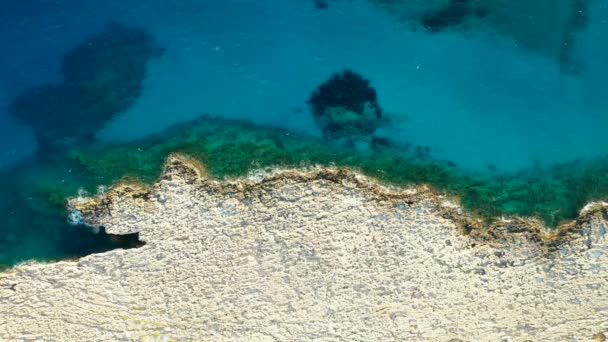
<point x="479" y="99"/>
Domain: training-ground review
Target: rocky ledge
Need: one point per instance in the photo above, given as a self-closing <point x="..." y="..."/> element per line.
<point x="300" y="255"/>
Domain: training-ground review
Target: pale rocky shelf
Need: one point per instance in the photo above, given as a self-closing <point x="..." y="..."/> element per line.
<point x="322" y="254"/>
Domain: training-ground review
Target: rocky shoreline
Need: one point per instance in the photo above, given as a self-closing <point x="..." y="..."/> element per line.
<point x="316" y="254"/>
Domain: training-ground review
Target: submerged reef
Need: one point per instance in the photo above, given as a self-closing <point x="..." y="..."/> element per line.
<point x="345" y="105"/>
<point x="102" y="77"/>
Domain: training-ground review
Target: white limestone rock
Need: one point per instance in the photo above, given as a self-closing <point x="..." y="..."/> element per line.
<point x="317" y="255"/>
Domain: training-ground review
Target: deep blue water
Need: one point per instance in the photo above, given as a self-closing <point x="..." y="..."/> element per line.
<point x="477" y="94"/>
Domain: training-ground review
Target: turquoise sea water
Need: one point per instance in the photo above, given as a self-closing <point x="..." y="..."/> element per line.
<point x="503" y="89"/>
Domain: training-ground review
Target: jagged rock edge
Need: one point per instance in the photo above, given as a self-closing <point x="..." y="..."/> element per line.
<point x="479" y="231"/>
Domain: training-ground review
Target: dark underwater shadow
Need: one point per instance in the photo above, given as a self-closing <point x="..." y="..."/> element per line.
<point x="102" y="78"/>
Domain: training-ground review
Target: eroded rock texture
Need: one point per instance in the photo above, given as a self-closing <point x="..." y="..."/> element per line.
<point x="323" y="254"/>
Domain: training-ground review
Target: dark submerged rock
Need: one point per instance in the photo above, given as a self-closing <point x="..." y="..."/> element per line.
<point x="346" y="105"/>
<point x="321" y="4"/>
<point x="578" y="21"/>
<point x="103" y="76"/>
<point x="453" y="14"/>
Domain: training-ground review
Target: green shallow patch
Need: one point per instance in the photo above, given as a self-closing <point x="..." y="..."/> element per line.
<point x="234" y="148"/>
